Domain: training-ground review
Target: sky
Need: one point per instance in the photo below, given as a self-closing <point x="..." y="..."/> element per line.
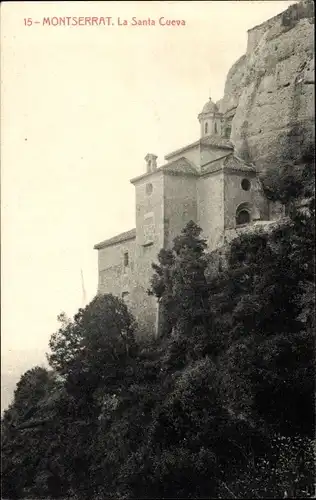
<point x="81" y="106"/>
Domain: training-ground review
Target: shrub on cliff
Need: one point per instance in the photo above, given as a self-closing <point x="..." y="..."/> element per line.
<point x="269" y="293"/>
<point x="285" y="471"/>
<point x="190" y="442"/>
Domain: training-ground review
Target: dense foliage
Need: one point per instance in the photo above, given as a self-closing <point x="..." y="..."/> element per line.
<point x="220" y="405"/>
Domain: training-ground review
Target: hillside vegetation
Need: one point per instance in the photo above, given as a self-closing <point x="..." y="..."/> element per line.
<point x="221" y="405"/>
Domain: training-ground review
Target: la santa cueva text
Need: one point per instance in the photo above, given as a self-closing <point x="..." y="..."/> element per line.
<point x="103" y="21"/>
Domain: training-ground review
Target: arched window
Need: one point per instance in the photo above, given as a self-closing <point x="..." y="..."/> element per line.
<point x="243" y="217"/>
<point x="215" y="128"/>
<point x="206" y="128"/>
<point x="243" y="214"/>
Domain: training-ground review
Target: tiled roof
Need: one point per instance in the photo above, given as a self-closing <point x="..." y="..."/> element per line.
<point x="181" y="165"/>
<point x="212" y="166"/>
<point x="217" y="141"/>
<point x="229" y="161"/>
<point x="127" y="235"/>
<point x="212" y="141"/>
<point x="232" y="161"/>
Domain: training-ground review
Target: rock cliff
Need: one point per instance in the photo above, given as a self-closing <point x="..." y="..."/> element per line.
<point x="269" y="93"/>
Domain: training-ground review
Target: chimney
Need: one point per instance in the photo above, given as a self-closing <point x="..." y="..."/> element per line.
<point x="151" y="162"/>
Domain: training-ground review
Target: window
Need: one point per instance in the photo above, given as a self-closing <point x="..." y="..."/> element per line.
<point x="126" y="259"/>
<point x="215" y="128"/>
<point x="243" y="214"/>
<point x="206" y="128"/>
<point x="149" y="189"/>
<point x="243" y="217"/>
<point x="125" y="295"/>
<point x="228" y="132"/>
<point x="220" y="266"/>
<point x="149" y="229"/>
<point x="245" y="184"/>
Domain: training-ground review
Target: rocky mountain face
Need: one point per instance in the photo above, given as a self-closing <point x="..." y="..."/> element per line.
<point x="269" y="92"/>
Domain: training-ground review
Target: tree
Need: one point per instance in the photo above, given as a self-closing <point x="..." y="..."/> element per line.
<point x="179" y="278"/>
<point x="95" y="353"/>
<point x="179" y="282"/>
<point x="95" y="348"/>
<point x="30" y="440"/>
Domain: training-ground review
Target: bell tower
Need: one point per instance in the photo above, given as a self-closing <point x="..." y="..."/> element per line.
<point x="210" y="120"/>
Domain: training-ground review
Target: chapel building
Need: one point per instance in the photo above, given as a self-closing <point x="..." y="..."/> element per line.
<point x="205" y="182"/>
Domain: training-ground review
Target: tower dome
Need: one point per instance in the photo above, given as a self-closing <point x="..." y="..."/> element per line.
<point x="210" y="119"/>
<point x="209" y="107"/>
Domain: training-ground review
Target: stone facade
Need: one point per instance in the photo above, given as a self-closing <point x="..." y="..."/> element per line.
<point x="214" y="181"/>
<point x="204" y="182"/>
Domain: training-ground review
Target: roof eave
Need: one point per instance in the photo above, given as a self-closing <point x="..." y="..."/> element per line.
<point x="100" y="246"/>
<point x="213" y="146"/>
<point x="211" y="172"/>
<point x="146" y="174"/>
<point x="109" y="242"/>
<point x="180" y="150"/>
<point x="240" y="169"/>
<point x="183" y="174"/>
